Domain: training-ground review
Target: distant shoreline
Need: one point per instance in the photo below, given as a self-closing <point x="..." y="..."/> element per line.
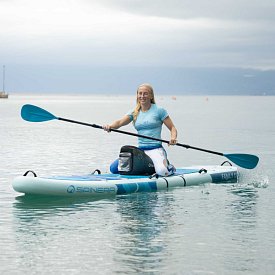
<point x="71" y="94"/>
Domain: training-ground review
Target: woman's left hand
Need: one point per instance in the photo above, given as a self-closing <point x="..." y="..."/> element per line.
<point x="169" y="124"/>
<point x="173" y="142"/>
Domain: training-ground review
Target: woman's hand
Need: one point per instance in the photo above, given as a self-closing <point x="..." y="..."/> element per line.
<point x="173" y="141"/>
<point x="117" y="124"/>
<point x="106" y="128"/>
<point x="174" y="133"/>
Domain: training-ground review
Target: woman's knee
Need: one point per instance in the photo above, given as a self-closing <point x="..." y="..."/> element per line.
<point x="162" y="171"/>
<point x="165" y="171"/>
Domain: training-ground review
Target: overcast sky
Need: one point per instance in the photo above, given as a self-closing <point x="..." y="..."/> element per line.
<point x="44" y="35"/>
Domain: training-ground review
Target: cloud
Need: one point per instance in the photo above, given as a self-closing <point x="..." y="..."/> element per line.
<point x="186" y="9"/>
<point x="173" y="33"/>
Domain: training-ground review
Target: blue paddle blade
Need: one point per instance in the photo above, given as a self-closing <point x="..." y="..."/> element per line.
<point x="35" y="114"/>
<point x="243" y="160"/>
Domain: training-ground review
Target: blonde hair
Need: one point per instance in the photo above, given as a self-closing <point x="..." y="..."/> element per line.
<point x="138" y="106"/>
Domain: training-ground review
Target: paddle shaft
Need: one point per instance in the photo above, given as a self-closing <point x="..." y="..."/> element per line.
<point x="142" y="136"/>
<point x="36" y="114"/>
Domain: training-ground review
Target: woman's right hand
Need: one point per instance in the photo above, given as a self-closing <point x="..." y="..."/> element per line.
<point x="106" y="128"/>
<point x="117" y="124"/>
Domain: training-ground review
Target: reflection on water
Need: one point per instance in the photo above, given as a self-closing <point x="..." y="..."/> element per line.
<point x="244" y="206"/>
<point x="49" y="202"/>
<point x="128" y="229"/>
<point x="31" y="207"/>
<point x="242" y="224"/>
<point x="144" y="220"/>
<point x="61" y="235"/>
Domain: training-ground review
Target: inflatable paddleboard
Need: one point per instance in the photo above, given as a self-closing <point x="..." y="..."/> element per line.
<point x="93" y="185"/>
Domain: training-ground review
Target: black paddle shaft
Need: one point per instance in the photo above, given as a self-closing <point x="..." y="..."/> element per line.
<point x="36" y="114"/>
<point x="138" y="135"/>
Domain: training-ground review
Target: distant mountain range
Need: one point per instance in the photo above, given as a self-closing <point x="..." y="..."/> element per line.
<point x="124" y="80"/>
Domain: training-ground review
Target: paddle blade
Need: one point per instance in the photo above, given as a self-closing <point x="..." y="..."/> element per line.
<point x="243" y="160"/>
<point x="35" y="114"/>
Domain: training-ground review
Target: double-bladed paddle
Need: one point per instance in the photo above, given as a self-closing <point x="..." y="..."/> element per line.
<point x="36" y="114"/>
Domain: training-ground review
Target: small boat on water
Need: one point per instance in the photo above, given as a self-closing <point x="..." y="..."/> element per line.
<point x="3" y="94"/>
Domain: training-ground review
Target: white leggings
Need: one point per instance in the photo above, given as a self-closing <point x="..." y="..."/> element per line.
<point x="159" y="158"/>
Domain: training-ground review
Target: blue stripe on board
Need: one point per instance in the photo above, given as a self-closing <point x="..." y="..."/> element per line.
<point x="147" y="186"/>
<point x="181" y="171"/>
<point x="126" y="188"/>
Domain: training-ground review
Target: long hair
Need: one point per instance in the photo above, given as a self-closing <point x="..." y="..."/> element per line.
<point x="138" y="106"/>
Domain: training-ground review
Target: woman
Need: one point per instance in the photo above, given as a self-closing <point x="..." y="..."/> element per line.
<point x="148" y="119"/>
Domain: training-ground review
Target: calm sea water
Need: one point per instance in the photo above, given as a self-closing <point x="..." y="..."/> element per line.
<point x="210" y="229"/>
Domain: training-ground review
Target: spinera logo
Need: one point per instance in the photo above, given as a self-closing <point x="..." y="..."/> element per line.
<point x="71" y="189"/>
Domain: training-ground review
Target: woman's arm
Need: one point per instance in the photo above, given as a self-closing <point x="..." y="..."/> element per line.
<point x="174" y="133"/>
<point x="118" y="123"/>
